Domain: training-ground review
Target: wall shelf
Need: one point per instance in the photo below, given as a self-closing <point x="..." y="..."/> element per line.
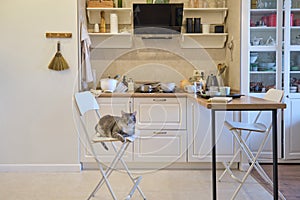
<point x="200" y="40"/>
<point x="214" y="16"/>
<point x="207" y="15"/>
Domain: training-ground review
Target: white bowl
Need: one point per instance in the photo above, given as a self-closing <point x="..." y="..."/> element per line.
<point x="167" y="87"/>
<point x="108" y="84"/>
<point x="253" y="58"/>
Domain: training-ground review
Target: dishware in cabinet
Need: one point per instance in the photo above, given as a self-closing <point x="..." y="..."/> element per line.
<point x="262" y="40"/>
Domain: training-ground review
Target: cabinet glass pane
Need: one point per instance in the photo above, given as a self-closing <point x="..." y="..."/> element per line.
<point x="295" y="3"/>
<point x="295" y="71"/>
<point x="262" y="71"/>
<point x="295" y="25"/>
<point x="263" y="21"/>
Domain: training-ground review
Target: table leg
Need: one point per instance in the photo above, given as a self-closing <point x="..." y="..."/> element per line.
<point x="275" y="154"/>
<point x="213" y="143"/>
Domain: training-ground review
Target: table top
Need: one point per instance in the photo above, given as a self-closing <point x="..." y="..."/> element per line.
<point x="243" y="103"/>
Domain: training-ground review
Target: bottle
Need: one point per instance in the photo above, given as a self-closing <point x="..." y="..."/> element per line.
<point x="102" y="23"/>
<point x="96" y="28"/>
<point x="120" y="3"/>
<point x="125" y="81"/>
<point x="130" y="85"/>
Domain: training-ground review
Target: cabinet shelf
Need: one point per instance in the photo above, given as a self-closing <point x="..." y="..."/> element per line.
<point x="262" y="11"/>
<point x="263" y="28"/>
<point x="262" y="48"/>
<point x="207" y="15"/>
<point x="124" y="15"/>
<point x="262" y="72"/>
<point x="109" y="34"/>
<point x="201" y="40"/>
<point x="109" y="9"/>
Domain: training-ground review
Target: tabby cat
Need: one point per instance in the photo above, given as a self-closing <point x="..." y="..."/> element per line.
<point x="116" y="127"/>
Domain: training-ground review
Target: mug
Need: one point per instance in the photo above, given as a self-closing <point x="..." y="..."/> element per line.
<point x="190" y="88"/>
<point x="205" y="28"/>
<point x="225" y="90"/>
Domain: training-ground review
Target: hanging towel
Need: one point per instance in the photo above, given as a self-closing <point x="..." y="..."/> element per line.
<point x="87" y="74"/>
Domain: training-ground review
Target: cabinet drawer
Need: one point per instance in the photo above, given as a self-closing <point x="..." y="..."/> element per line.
<point x="160" y="113"/>
<point x="160" y="146"/>
<point x="114" y="106"/>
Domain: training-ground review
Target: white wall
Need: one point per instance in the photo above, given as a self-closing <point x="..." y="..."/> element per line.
<point x="36" y="111"/>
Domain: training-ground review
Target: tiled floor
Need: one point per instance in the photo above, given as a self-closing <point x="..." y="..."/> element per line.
<point x="157" y="185"/>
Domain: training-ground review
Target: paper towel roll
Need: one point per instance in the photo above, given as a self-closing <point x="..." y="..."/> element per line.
<point x="113" y="23"/>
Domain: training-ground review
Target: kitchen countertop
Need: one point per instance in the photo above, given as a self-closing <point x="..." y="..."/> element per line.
<point x="145" y="95"/>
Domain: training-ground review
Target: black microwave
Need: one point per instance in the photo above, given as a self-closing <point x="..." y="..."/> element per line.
<point x="157" y="18"/>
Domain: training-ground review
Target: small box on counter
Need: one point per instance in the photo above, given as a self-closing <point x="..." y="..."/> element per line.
<point x="219" y="29"/>
<point x="100" y="4"/>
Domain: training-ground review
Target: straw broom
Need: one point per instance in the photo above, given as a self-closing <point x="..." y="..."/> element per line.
<point x="58" y="63"/>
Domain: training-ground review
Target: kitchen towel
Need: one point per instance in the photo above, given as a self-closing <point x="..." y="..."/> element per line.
<point x="87" y="74"/>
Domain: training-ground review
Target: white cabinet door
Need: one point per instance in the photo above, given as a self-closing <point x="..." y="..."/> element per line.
<point x="160" y="113"/>
<point x="199" y="134"/>
<point x="292" y="136"/>
<point x="160" y="146"/>
<point x="111" y="106"/>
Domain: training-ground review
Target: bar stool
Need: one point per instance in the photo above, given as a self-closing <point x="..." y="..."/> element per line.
<point x="236" y="128"/>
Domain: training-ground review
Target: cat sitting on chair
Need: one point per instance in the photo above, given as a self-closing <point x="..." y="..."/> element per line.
<point x="116" y="127"/>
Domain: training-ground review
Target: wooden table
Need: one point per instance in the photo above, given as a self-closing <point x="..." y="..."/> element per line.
<point x="245" y="103"/>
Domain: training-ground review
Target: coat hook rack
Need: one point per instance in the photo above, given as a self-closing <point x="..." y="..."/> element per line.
<point x="58" y="35"/>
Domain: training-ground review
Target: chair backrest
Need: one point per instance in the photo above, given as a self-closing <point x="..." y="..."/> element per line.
<point x="274" y="95"/>
<point x="85" y="101"/>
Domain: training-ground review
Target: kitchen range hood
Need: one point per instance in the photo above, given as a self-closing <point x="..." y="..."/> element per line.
<point x="157" y="18"/>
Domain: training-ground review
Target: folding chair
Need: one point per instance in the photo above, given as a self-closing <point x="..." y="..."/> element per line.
<point x="236" y="129"/>
<point x="85" y="102"/>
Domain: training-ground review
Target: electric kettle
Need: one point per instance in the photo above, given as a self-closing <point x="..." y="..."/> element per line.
<point x="211" y="81"/>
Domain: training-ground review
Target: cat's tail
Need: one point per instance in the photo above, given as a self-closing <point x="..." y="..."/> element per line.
<point x="98" y="133"/>
<point x="105" y="146"/>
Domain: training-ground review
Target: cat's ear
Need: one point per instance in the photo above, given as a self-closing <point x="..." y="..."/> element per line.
<point x="134" y="113"/>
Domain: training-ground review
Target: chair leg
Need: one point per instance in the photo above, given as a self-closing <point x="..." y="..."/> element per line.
<point x="109" y="170"/>
<point x="136" y="183"/>
<point x="104" y="179"/>
<point x="254" y="163"/>
<point x="228" y="166"/>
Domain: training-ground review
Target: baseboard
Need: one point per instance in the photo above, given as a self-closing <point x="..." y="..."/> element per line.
<point x="159" y="166"/>
<point x="40" y="167"/>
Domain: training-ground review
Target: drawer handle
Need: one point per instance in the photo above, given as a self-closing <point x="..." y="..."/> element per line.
<point x="160" y="133"/>
<point x="159" y="99"/>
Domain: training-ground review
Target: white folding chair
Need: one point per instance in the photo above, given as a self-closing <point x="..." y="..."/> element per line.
<point x="236" y="129"/>
<point x="85" y="102"/>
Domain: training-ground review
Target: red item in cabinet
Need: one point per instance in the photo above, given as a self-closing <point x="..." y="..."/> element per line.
<point x="272" y="20"/>
<point x="265" y="20"/>
<point x="292" y="20"/>
<point x="297" y="22"/>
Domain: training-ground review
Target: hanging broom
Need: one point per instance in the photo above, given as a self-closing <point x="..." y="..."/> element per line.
<point x="58" y="63"/>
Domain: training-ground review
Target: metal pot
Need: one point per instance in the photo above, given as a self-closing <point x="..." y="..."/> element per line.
<point x="148" y="88"/>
